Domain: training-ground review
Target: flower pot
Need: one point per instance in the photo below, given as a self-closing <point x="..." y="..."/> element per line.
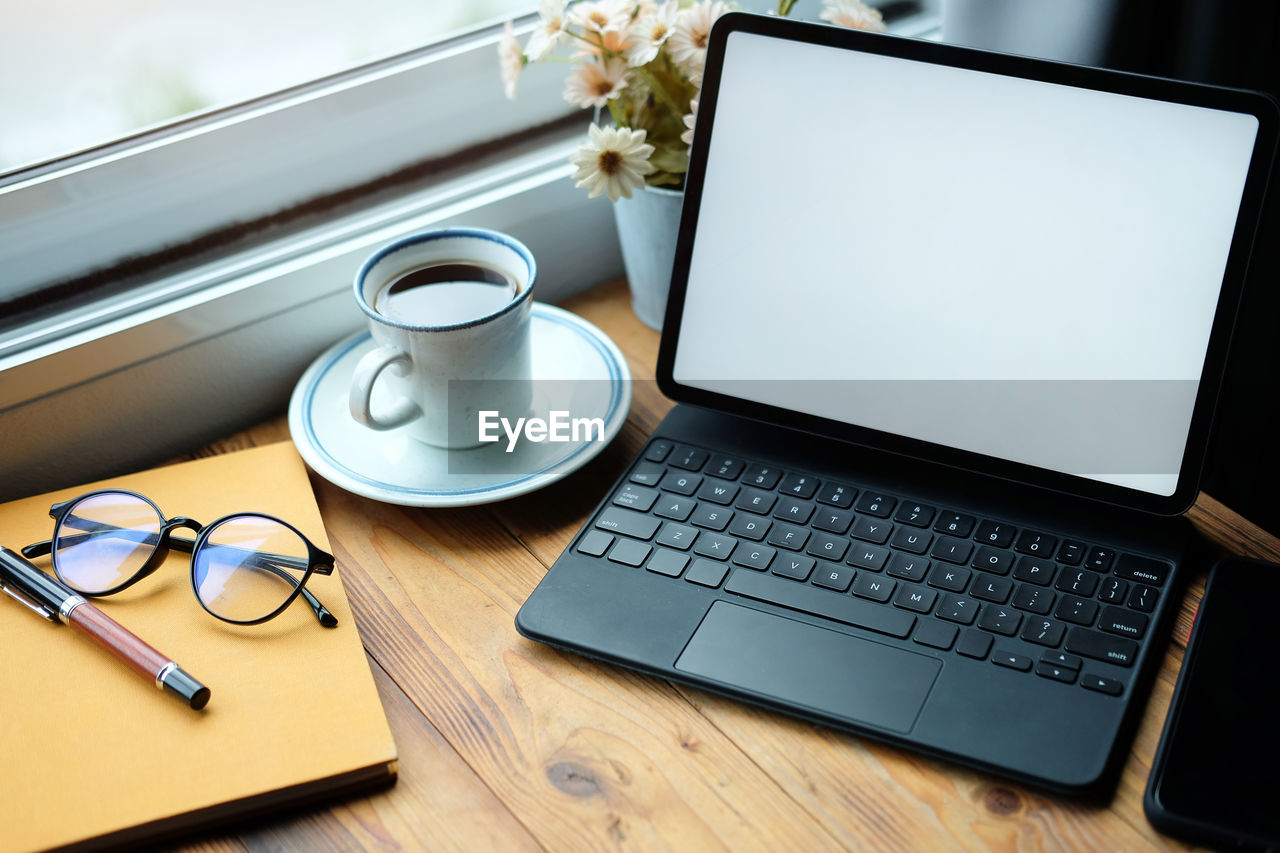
<point x="647" y="226"/>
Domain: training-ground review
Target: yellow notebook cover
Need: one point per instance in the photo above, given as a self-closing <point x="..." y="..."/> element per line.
<point x="91" y="753"/>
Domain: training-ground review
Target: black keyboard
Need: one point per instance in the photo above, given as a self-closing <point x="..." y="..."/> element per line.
<point x="1029" y="600"/>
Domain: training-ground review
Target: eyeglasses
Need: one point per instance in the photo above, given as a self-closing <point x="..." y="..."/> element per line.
<point x="246" y="568"/>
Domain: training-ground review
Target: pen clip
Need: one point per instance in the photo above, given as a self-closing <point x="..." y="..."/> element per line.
<point x="17" y="596"/>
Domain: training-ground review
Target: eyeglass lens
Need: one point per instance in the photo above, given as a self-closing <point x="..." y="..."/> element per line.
<point x="248" y="566"/>
<point x="104" y="540"/>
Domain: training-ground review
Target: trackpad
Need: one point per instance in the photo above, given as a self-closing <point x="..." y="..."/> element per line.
<point x="798" y="663"/>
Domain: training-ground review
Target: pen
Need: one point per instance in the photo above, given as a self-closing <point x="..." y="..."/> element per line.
<point x="47" y="596"/>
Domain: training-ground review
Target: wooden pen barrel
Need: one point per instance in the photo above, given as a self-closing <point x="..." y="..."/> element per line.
<point x="117" y="640"/>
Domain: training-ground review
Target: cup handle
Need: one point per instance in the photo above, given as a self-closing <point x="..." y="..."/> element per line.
<point x="366" y="373"/>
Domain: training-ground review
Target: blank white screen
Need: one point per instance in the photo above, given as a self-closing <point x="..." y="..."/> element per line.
<point x="884" y="227"/>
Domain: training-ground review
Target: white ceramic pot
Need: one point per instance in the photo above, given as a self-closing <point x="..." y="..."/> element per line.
<point x="647" y="226"/>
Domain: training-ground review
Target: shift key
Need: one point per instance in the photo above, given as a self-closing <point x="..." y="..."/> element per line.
<point x="1091" y="644"/>
<point x="628" y="523"/>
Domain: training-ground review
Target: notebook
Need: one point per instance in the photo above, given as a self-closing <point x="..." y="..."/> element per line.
<point x="94" y="756"/>
<point x="945" y="329"/>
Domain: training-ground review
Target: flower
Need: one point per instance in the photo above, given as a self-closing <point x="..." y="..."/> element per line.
<point x="688" y="43"/>
<point x="689" y="119"/>
<point x="510" y="60"/>
<point x="853" y="14"/>
<point x="546" y="36"/>
<point x="592" y="84"/>
<point x="649" y="32"/>
<point x="614" y="160"/>
<point x="602" y="16"/>
<point x="611" y="41"/>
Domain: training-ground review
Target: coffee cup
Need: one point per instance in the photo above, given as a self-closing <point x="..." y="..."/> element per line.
<point x="449" y="312"/>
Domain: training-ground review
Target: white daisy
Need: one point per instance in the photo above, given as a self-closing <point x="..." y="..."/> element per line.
<point x="612" y="41"/>
<point x="510" y="60"/>
<point x="853" y="14"/>
<point x="690" y="119"/>
<point x="592" y="84"/>
<point x="602" y="16"/>
<point x="614" y="160"/>
<point x="546" y="36"/>
<point x="649" y="32"/>
<point x="688" y="43"/>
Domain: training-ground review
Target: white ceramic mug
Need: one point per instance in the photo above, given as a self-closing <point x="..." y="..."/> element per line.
<point x="418" y="359"/>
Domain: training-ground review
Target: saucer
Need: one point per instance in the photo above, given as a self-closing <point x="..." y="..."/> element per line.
<point x="392" y="466"/>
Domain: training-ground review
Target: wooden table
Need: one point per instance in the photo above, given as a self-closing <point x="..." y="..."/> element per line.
<point x="506" y="744"/>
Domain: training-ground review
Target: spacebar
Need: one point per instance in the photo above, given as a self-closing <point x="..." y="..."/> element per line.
<point x="819" y="602"/>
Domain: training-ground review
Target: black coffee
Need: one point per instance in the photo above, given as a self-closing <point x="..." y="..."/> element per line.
<point x="445" y="294"/>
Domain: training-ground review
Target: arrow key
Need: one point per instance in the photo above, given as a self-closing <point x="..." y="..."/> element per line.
<point x="1057" y="673"/>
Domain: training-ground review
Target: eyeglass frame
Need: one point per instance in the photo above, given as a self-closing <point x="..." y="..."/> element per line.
<point x="319" y="562"/>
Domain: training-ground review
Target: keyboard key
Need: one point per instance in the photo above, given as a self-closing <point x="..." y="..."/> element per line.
<point x="669" y="563"/>
<point x="871" y="530"/>
<point x="1113" y="590"/>
<point x="952" y="550"/>
<point x="1101" y="684"/>
<point x="762" y="476"/>
<point x="714" y="545"/>
<point x="1036" y="571"/>
<point x="752" y="556"/>
<point x="675" y="507"/>
<point x="807" y="599"/>
<point x="910" y="539"/>
<point x="1077" y="581"/>
<point x="936" y="634"/>
<point x="1142" y="570"/>
<point x="876" y="504"/>
<point x="974" y="644"/>
<point x="1071" y="553"/>
<point x="834" y="577"/>
<point x="630" y="553"/>
<point x="906" y="566"/>
<point x="706" y="573"/>
<point x="595" y="543"/>
<point x="793" y="566"/>
<point x="750" y="527"/>
<point x="833" y="520"/>
<point x="873" y="587"/>
<point x="635" y="497"/>
<point x="1062" y="659"/>
<point x="754" y="500"/>
<point x="1143" y="598"/>
<point x="992" y="588"/>
<point x="917" y="515"/>
<point x="1123" y="622"/>
<point x="995" y="534"/>
<point x="834" y="494"/>
<point x="915" y="598"/>
<point x="953" y="578"/>
<point x="677" y="536"/>
<point x="725" y="468"/>
<point x="995" y="560"/>
<point x="868" y="557"/>
<point x="1032" y="598"/>
<point x="1001" y="620"/>
<point x="1044" y="632"/>
<point x="788" y="536"/>
<point x="1099" y="559"/>
<point x="955" y="524"/>
<point x="628" y="523"/>
<point x="954" y="608"/>
<point x="711" y="517"/>
<point x="790" y="509"/>
<point x="1091" y="644"/>
<point x="827" y="547"/>
<point x="1001" y="657"/>
<point x="1081" y="611"/>
<point x="718" y="493"/>
<point x="688" y="458"/>
<point x="799" y="485"/>
<point x="647" y="474"/>
<point x="680" y="483"/>
<point x="1036" y="544"/>
<point x="1057" y="673"/>
<point x="658" y="450"/>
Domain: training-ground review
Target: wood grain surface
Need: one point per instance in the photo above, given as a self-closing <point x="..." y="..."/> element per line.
<point x="506" y="744"/>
